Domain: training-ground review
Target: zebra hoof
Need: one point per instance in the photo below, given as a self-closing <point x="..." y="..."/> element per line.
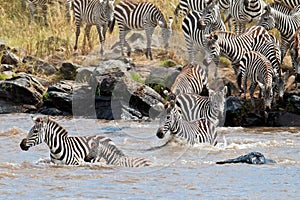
<point x="160" y="134"/>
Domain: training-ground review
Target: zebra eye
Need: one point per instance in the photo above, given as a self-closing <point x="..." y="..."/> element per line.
<point x="35" y="131"/>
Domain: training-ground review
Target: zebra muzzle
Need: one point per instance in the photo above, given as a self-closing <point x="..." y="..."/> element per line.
<point x="23" y="145"/>
<point x="160" y="133"/>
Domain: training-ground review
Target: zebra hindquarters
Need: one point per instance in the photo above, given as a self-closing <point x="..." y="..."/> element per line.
<point x="133" y="162"/>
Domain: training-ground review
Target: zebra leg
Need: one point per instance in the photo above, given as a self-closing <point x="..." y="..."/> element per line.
<point x="87" y="35"/>
<point x="101" y="39"/>
<point x="32" y="9"/>
<point x="78" y="22"/>
<point x="23" y="5"/>
<point x="149" y="32"/>
<point x="122" y="37"/>
<point x="44" y="8"/>
<point x="252" y="88"/>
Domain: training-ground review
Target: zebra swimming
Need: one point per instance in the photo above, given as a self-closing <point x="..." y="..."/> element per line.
<point x="74" y="150"/>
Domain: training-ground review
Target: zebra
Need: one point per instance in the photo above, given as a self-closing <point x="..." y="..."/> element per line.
<point x="32" y="5"/>
<point x="258" y="68"/>
<point x="197" y="24"/>
<point x="295" y="55"/>
<point x="285" y="23"/>
<point x="193" y="106"/>
<point x="93" y="12"/>
<point x="191" y="79"/>
<point x="193" y="132"/>
<point x="224" y="7"/>
<point x="77" y="149"/>
<point x="141" y="16"/>
<point x="291" y="4"/>
<point x="245" y="11"/>
<point x="235" y="46"/>
<point x="185" y="6"/>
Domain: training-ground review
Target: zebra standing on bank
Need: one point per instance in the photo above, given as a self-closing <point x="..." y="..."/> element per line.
<point x="191" y="79"/>
<point x="287" y="24"/>
<point x="295" y="55"/>
<point x="93" y="12"/>
<point x="235" y="46"/>
<point x="185" y="6"/>
<point x="193" y="132"/>
<point x="141" y="16"/>
<point x="74" y="150"/>
<point x="259" y="70"/>
<point x="198" y="24"/>
<point x="194" y="106"/>
<point x="245" y="11"/>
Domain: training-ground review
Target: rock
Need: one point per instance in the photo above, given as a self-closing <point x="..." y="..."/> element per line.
<point x="22" y="89"/>
<point x="8" y="74"/>
<point x="68" y="71"/>
<point x="59" y="96"/>
<point x="161" y="78"/>
<point x="9" y="58"/>
<point x="233" y="110"/>
<point x="6" y="67"/>
<point x="40" y="66"/>
<point x="295" y="101"/>
<point x="253" y="119"/>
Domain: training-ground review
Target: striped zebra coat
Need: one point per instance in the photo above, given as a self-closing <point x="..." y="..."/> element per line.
<point x="185" y="6"/>
<point x="235" y="46"/>
<point x="192" y="132"/>
<point x="287" y="24"/>
<point x="197" y="24"/>
<point x="93" y="12"/>
<point x="141" y="16"/>
<point x="245" y="11"/>
<point x="194" y="106"/>
<point x="77" y="149"/>
<point x="259" y="70"/>
<point x="191" y="79"/>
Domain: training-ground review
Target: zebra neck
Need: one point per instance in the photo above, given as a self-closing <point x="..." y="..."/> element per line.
<point x="55" y="136"/>
<point x="286" y="24"/>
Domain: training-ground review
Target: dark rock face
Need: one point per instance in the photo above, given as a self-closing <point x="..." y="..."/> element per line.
<point x="40" y="66"/>
<point x="22" y="89"/>
<point x="9" y="58"/>
<point x="68" y="71"/>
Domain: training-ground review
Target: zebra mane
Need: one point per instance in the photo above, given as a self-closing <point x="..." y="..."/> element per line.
<point x="51" y="121"/>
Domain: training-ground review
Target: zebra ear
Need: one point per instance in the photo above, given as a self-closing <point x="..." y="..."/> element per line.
<point x="225" y="90"/>
<point x="170" y="22"/>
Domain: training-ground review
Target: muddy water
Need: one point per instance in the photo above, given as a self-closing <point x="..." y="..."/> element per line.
<point x="177" y="172"/>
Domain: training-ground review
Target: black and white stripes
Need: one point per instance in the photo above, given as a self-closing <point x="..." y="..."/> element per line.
<point x="141" y="16"/>
<point x="93" y="12"/>
<point x="77" y="149"/>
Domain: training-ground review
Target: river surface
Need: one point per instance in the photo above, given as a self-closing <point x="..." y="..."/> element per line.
<point x="178" y="171"/>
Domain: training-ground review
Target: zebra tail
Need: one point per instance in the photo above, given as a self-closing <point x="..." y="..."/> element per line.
<point x="134" y="162"/>
<point x="111" y="25"/>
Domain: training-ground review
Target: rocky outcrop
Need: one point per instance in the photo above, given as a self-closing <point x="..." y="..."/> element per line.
<point x="20" y="92"/>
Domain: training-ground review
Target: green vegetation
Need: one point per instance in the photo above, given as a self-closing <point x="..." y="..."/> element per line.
<point x="136" y="77"/>
<point x="2" y="76"/>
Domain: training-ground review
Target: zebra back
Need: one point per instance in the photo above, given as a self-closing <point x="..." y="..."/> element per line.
<point x="185" y="6"/>
<point x="192" y="79"/>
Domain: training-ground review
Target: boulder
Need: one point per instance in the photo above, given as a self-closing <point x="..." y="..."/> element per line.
<point x="39" y="66"/>
<point x="9" y="58"/>
<point x="68" y="71"/>
<point x="22" y="89"/>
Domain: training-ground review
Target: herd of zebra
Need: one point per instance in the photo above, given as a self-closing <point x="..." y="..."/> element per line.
<point x="254" y="53"/>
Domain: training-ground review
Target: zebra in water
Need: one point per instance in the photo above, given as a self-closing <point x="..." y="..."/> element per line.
<point x="258" y="68"/>
<point x="74" y="150"/>
<point x="32" y="5"/>
<point x="191" y="79"/>
<point x="141" y="16"/>
<point x="198" y="24"/>
<point x="93" y="12"/>
<point x="235" y="46"/>
<point x="193" y="132"/>
<point x="194" y="106"/>
<point x="287" y="24"/>
<point x="245" y="11"/>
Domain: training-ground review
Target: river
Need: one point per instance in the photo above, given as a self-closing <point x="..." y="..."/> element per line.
<point x="178" y="171"/>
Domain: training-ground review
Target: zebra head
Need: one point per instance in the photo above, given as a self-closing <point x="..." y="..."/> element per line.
<point x="166" y="31"/>
<point x="217" y="102"/>
<point x="167" y="119"/>
<point x="280" y="83"/>
<point x="35" y="135"/>
<point x="267" y="20"/>
<point x="267" y="92"/>
<point x="211" y="16"/>
<point x="213" y="49"/>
